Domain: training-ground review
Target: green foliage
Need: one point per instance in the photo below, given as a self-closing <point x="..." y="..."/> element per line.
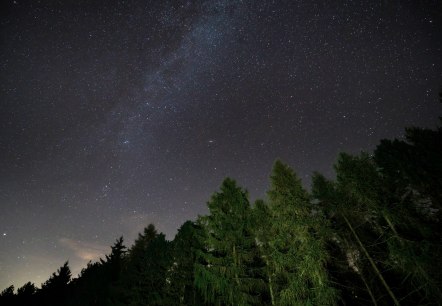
<point x="144" y="280"/>
<point x="226" y="272"/>
<point x="180" y="276"/>
<point x="296" y="253"/>
<point x="375" y="218"/>
<point x="412" y="176"/>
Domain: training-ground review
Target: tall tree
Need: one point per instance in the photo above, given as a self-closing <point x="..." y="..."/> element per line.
<point x="115" y="259"/>
<point x="55" y="290"/>
<point x="226" y="272"/>
<point x="370" y="216"/>
<point x="148" y="262"/>
<point x="348" y="269"/>
<point x="261" y="222"/>
<point x="91" y="286"/>
<point x="131" y="282"/>
<point x="26" y="294"/>
<point x="180" y="277"/>
<point x="411" y="170"/>
<point x="297" y="254"/>
<point x="361" y="207"/>
<point x="7" y="296"/>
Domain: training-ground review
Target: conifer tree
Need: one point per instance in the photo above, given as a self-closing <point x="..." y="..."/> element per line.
<point x="411" y="170"/>
<point x="55" y="290"/>
<point x="180" y="276"/>
<point x="7" y="296"/>
<point x="225" y="272"/>
<point x="369" y="212"/>
<point x="148" y="262"/>
<point x="114" y="261"/>
<point x="26" y="293"/>
<point x="347" y="268"/>
<point x="261" y="223"/>
<point x="360" y="206"/>
<point x="297" y="255"/>
<point x="91" y="286"/>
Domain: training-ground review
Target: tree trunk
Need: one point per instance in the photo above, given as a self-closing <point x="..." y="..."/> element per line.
<point x="272" y="297"/>
<point x="372" y="263"/>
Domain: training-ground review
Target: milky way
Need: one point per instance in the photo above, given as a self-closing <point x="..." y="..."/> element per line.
<point x="116" y="115"/>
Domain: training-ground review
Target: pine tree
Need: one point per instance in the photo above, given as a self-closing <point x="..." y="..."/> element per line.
<point x="55" y="290"/>
<point x="225" y="273"/>
<point x="180" y="276"/>
<point x="361" y="208"/>
<point x="368" y="215"/>
<point x="100" y="282"/>
<point x="411" y="170"/>
<point x="91" y="287"/>
<point x="156" y="262"/>
<point x="114" y="261"/>
<point x="348" y="269"/>
<point x="148" y="262"/>
<point x="9" y="291"/>
<point x="26" y="294"/>
<point x="297" y="254"/>
<point x="7" y="296"/>
<point x="261" y="223"/>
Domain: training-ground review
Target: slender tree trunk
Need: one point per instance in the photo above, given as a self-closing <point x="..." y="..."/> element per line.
<point x="422" y="273"/>
<point x="235" y="261"/>
<point x="272" y="297"/>
<point x="391" y="225"/>
<point x="373" y="299"/>
<point x="372" y="263"/>
<point x="359" y="272"/>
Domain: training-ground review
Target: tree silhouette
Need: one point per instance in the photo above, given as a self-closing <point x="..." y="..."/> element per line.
<point x="7" y="296"/>
<point x="25" y="294"/>
<point x="144" y="280"/>
<point x="55" y="290"/>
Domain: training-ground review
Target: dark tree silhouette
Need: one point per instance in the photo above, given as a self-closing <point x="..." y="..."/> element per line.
<point x="25" y="294"/>
<point x="55" y="290"/>
<point x="7" y="296"/>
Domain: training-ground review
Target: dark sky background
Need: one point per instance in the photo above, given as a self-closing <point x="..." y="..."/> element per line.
<point x="115" y="114"/>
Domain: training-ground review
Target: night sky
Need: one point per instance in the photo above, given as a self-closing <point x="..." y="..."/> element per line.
<point x="117" y="114"/>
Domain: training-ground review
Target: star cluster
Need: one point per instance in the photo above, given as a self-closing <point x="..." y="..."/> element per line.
<point x="117" y="114"/>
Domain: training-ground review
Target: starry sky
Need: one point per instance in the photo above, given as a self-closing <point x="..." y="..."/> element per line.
<point x="116" y="114"/>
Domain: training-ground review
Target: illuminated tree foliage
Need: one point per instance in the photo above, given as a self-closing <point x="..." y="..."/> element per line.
<point x="297" y="256"/>
<point x="227" y="274"/>
<point x="180" y="276"/>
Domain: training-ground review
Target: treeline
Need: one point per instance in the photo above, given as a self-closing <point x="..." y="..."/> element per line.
<point x="371" y="236"/>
